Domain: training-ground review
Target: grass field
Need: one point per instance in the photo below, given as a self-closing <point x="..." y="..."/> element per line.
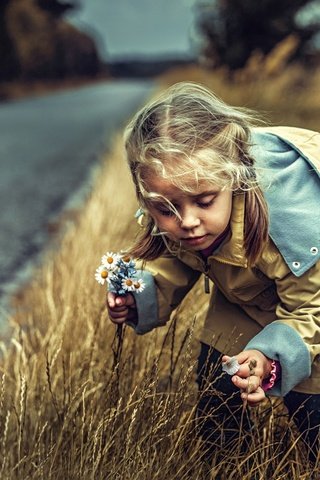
<point x="78" y="401"/>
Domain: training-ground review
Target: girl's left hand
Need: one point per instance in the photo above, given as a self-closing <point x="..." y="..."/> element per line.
<point x="254" y="367"/>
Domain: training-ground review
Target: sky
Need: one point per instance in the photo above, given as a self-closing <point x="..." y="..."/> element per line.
<point x="136" y="28"/>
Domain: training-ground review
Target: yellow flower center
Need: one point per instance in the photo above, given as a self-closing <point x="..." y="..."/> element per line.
<point x="104" y="274"/>
<point x="129" y="282"/>
<point x="126" y="258"/>
<point x="136" y="285"/>
<point x="110" y="260"/>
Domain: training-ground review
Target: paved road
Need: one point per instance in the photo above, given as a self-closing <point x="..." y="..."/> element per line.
<point x="48" y="146"/>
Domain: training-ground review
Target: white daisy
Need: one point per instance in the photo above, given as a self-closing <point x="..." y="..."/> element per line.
<point x="127" y="259"/>
<point x="128" y="284"/>
<point x="138" y="285"/>
<point x="102" y="274"/>
<point x="110" y="260"/>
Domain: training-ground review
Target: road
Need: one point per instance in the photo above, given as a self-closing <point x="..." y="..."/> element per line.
<point x="48" y="147"/>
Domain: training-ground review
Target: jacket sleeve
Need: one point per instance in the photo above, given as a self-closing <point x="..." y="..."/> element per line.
<point x="294" y="338"/>
<point x="167" y="280"/>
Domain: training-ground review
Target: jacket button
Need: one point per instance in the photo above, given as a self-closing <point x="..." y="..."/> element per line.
<point x="314" y="250"/>
<point x="296" y="265"/>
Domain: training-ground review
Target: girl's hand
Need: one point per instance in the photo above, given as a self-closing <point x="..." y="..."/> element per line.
<point x="254" y="367"/>
<point x="250" y="388"/>
<point x="121" y="308"/>
<point x="252" y="363"/>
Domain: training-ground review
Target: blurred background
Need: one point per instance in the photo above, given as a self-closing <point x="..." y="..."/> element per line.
<point x="60" y="41"/>
<point x="73" y="71"/>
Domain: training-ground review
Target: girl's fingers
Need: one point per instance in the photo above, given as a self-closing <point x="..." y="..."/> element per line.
<point x="111" y="300"/>
<point x="250" y="384"/>
<point x="248" y="365"/>
<point x="123" y="315"/>
<point x="250" y="368"/>
<point x="243" y="357"/>
<point x="225" y="358"/>
<point x="130" y="301"/>
<point x="118" y="312"/>
<point x="254" y="398"/>
<point x="114" y="301"/>
<point x="121" y="308"/>
<point x="118" y="320"/>
<point x="252" y="362"/>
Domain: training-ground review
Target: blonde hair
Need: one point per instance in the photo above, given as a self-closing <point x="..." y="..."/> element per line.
<point x="189" y="132"/>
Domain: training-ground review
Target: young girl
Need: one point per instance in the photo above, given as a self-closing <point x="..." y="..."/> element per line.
<point x="239" y="205"/>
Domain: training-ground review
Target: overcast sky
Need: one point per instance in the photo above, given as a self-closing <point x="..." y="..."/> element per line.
<point x="125" y="28"/>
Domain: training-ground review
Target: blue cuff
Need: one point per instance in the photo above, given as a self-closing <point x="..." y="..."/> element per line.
<point x="147" y="305"/>
<point x="281" y="342"/>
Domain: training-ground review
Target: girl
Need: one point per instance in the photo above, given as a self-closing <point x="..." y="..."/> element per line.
<point x="239" y="205"/>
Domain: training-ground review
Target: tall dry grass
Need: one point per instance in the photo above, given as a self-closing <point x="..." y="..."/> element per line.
<point x="283" y="94"/>
<point x="79" y="402"/>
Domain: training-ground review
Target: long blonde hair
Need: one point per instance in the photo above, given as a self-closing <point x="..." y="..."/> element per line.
<point x="187" y="131"/>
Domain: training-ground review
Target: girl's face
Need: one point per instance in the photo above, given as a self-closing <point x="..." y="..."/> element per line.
<point x="204" y="214"/>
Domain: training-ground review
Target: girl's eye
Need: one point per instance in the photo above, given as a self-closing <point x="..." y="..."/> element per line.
<point x="165" y="212"/>
<point x="205" y="204"/>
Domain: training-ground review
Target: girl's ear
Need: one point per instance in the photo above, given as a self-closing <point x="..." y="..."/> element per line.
<point x="145" y="221"/>
<point x="140" y="215"/>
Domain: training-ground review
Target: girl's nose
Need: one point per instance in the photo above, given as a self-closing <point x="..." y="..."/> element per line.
<point x="189" y="220"/>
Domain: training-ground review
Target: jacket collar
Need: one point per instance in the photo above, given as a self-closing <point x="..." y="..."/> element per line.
<point x="232" y="250"/>
<point x="289" y="177"/>
<point x="306" y="142"/>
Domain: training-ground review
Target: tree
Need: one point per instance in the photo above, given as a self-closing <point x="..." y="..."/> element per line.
<point x="10" y="67"/>
<point x="36" y="43"/>
<point x="231" y="30"/>
<point x="56" y="7"/>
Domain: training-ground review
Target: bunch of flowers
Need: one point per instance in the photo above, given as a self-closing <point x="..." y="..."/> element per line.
<point x="118" y="272"/>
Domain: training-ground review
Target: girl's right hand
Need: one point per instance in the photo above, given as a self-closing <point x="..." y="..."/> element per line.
<point x="121" y="308"/>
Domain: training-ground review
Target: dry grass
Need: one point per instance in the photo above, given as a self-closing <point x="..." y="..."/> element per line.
<point x="79" y="402"/>
<point x="287" y="96"/>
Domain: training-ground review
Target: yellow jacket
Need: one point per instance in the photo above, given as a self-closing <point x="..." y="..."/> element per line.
<point x="274" y="306"/>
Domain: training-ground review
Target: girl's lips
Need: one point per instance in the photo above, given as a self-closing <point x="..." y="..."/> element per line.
<point x="194" y="240"/>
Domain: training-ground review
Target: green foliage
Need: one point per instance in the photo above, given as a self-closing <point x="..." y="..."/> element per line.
<point x="233" y="30"/>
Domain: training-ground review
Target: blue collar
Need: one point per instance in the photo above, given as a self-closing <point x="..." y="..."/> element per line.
<point x="291" y="187"/>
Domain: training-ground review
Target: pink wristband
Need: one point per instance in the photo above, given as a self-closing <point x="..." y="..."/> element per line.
<point x="275" y="374"/>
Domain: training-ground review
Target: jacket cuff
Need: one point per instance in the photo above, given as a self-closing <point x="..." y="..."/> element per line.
<point x="147" y="305"/>
<point x="282" y="343"/>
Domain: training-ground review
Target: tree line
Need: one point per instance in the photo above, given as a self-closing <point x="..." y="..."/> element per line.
<point x="230" y="31"/>
<point x="36" y="43"/>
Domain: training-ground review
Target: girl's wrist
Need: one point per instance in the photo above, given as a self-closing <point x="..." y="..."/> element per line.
<point x="268" y="368"/>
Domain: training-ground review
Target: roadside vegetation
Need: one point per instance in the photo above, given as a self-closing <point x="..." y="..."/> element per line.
<point x="81" y="400"/>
